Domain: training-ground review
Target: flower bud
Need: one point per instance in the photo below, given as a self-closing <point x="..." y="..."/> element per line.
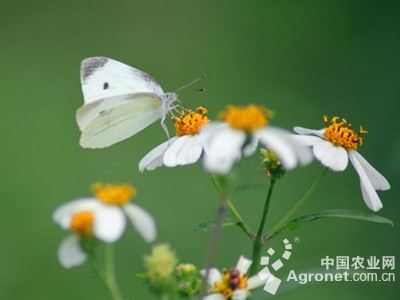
<point x="160" y="265"/>
<point x="272" y="164"/>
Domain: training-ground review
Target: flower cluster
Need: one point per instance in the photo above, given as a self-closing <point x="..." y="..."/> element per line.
<point x="223" y="143"/>
<point x="242" y="129"/>
<point x="102" y="217"/>
<point x="334" y="145"/>
<point x="234" y="283"/>
<point x="219" y="145"/>
<point x="165" y="274"/>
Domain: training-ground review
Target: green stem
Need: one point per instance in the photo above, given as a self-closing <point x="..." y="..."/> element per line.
<point x="281" y="224"/>
<point x="257" y="244"/>
<point x="241" y="223"/>
<point x="220" y="186"/>
<point x="214" y="241"/>
<point x="109" y="273"/>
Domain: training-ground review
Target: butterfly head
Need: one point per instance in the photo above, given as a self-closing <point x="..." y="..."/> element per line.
<point x="169" y="101"/>
<point x="170" y="97"/>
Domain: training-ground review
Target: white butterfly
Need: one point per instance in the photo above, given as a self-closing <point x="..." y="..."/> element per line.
<point x="119" y="102"/>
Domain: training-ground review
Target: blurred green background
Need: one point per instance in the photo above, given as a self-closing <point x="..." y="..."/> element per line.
<point x="302" y="59"/>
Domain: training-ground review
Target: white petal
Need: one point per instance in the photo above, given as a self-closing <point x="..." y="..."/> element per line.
<point x="302" y="130"/>
<point x="255" y="281"/>
<point x="378" y="181"/>
<point x="307" y="140"/>
<point x="184" y="150"/>
<point x="63" y="214"/>
<point x="240" y="294"/>
<point x="214" y="276"/>
<point x="109" y="223"/>
<point x="70" y="253"/>
<point x="331" y="156"/>
<point x="142" y="221"/>
<point x="222" y="148"/>
<point x="153" y="159"/>
<point x="214" y="297"/>
<point x="296" y="143"/>
<point x="304" y="153"/>
<point x="211" y="128"/>
<point x="278" y="142"/>
<point x="370" y="196"/>
<point x="243" y="264"/>
<point x="251" y="147"/>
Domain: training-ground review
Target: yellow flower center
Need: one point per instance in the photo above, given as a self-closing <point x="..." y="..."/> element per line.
<point x="247" y="118"/>
<point x="191" y="122"/>
<point x="340" y="133"/>
<point x="82" y="223"/>
<point x="114" y="194"/>
<point x="231" y="280"/>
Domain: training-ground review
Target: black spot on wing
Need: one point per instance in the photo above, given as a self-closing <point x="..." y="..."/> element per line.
<point x="90" y="65"/>
<point x="106" y="85"/>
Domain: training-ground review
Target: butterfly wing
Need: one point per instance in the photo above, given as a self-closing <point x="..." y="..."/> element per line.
<point x="103" y="77"/>
<point x="124" y="117"/>
<point x="119" y="102"/>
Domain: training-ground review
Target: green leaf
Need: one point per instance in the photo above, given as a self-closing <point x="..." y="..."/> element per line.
<point x="209" y="226"/>
<point x="334" y="213"/>
<point x="342" y="214"/>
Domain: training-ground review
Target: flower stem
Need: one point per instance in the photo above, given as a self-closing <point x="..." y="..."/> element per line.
<point x="109" y="273"/>
<point x="257" y="244"/>
<point x="215" y="236"/>
<point x="241" y="223"/>
<point x="216" y="233"/>
<point x="281" y="224"/>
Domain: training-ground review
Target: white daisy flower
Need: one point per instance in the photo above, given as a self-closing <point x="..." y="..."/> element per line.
<point x="240" y="133"/>
<point x="232" y="284"/>
<point x="103" y="217"/>
<point x="183" y="149"/>
<point x="334" y="145"/>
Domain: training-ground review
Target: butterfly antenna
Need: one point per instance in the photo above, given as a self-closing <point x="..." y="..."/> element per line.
<point x="191" y="83"/>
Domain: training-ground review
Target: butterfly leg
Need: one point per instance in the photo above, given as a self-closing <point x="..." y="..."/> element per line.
<point x="165" y="128"/>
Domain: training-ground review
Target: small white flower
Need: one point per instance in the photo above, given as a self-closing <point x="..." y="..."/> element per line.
<point x="334" y="145"/>
<point x="243" y="129"/>
<point x="183" y="149"/>
<point x="103" y="217"/>
<point x="232" y="284"/>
